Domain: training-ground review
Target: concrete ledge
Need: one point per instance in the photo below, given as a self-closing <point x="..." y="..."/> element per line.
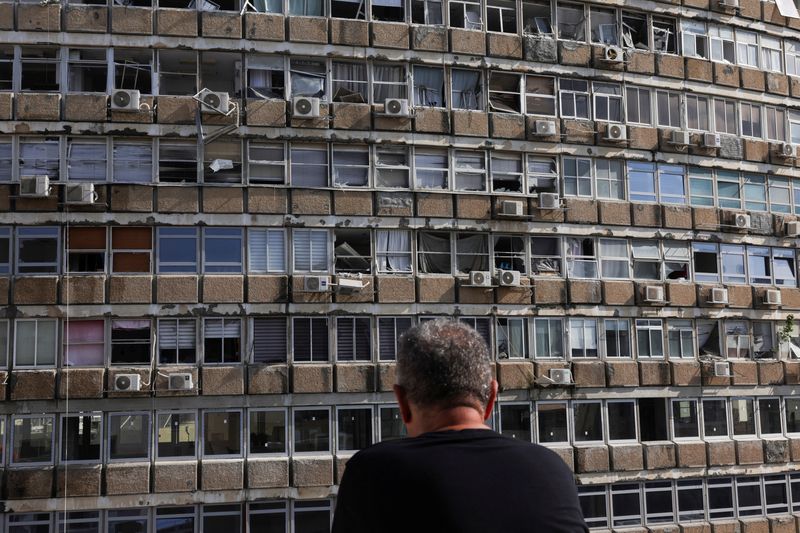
<point x="223" y="289"/>
<point x="133" y="20"/>
<point x="433" y="289"/>
<point x="267" y="289"/>
<point x="312" y="378"/>
<point x="515" y="375"/>
<point x="35" y="290"/>
<point x="749" y="452"/>
<point x="271" y="472"/>
<point x="176" y="22"/>
<point x="355" y="377"/>
<point x="38" y="17"/>
<point x="30" y="482"/>
<point x="389" y="35"/>
<point x="33" y="384"/>
<point x="225" y="474"/>
<point x="81" y="383"/>
<point x="622" y="373"/>
<point x="264" y="27"/>
<point x="659" y="455"/>
<point x="127" y="478"/>
<point x="176" y="289"/>
<point x="626" y="457"/>
<point x="175" y="476"/>
<point x="310" y="471"/>
<point x="721" y="453"/>
<point x="308" y="29"/>
<point x="144" y="375"/>
<point x="267" y="379"/>
<point x="386" y="376"/>
<point x="83" y="290"/>
<point x="591" y="459"/>
<point x="162" y="380"/>
<point x="691" y="454"/>
<point x="130" y="289"/>
<point x="225" y="24"/>
<point x="223" y="380"/>
<point x="78" y="480"/>
<point x="38" y="106"/>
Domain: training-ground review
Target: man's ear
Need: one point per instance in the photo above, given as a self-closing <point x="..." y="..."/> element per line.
<point x="492" y="398"/>
<point x="402" y="402"/>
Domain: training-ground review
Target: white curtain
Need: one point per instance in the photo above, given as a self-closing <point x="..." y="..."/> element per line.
<point x="351" y="79"/>
<point x="466" y="88"/>
<point x="391" y="80"/>
<point x="268" y="6"/>
<point x="429" y="86"/>
<point x="394" y="251"/>
<point x="309" y="8"/>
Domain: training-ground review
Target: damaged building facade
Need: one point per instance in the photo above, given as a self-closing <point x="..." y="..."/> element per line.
<point x="217" y="217"/>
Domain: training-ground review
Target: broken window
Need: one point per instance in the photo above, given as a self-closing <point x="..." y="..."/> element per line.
<point x="427" y="12"/>
<point x="353" y="338"/>
<point x="684" y="419"/>
<point x="668" y="107"/>
<point x="540" y="95"/>
<point x="434" y="252"/>
<point x="130" y="342"/>
<point x="390" y="328"/>
<point x="133" y="69"/>
<point x="725" y="116"/>
<point x="37" y="250"/>
<point x="470" y="170"/>
<point x="349" y="82"/>
<point x="87" y="69"/>
<point x="577" y="173"/>
<point x="176" y="435"/>
<point x="650" y="338"/>
<point x="723" y="47"/>
<point x="177" y="342"/>
<point x="131" y="249"/>
<point x="308" y="78"/>
<point x="607" y="102"/>
<point x="392" y="167"/>
<point x="697" y="112"/>
<point x="467" y="88"/>
<point x="350" y="166"/>
<point x="501" y="16"/>
<point x="87" y="159"/>
<point x="509" y="252"/>
<point x="310" y="250"/>
<point x="515" y="421"/>
<point x="751" y="120"/>
<point x="431" y="169"/>
<point x="737" y="339"/>
<point x="132" y="161"/>
<point x="307" y="8"/>
<point x="581" y="258"/>
<point x="511" y="338"/>
<point x="388" y="10"/>
<point x="604" y="26"/>
<point x="312" y="430"/>
<point x="548" y="338"/>
<point x="269" y="340"/>
<point x="310" y="340"/>
<point x="81" y="437"/>
<point x="708" y="338"/>
<point x="177" y="161"/>
<point x="309" y="165"/>
<point x="177" y="72"/>
<point x="646" y="259"/>
<point x="222" y="250"/>
<point x="222" y="435"/>
<point x="266" y="163"/>
<point x="610" y="180"/>
<point x="504" y="92"/>
<point x="747" y="48"/>
<point x="265" y="77"/>
<point x="267" y="250"/>
<point x="86" y="249"/>
<point x="542" y="174"/>
<point x="32" y="439"/>
<point x="388" y="81"/>
<point x="220" y="72"/>
<point x="617" y="338"/>
<point x="6" y="68"/>
<point x="465" y="14"/>
<point x="614" y="259"/>
<point x="705" y="260"/>
<point x="744" y="423"/>
<point x="635" y="32"/>
<point x="784" y="267"/>
<point x="393" y="251"/>
<point x="40" y="69"/>
<point x="472" y="253"/>
<point x="582" y="336"/>
<point x="177" y="250"/>
<point x="39" y="157"/>
<point x="352" y="251"/>
<point x="637" y="101"/>
<point x="588" y="418"/>
<point x="546" y="256"/>
<point x="695" y="39"/>
<point x="222" y="161"/>
<point x="574" y="96"/>
<point x="551" y="422"/>
<point x="506" y="173"/>
<point x="536" y="17"/>
<point x="348" y="9"/>
<point x="665" y="35"/>
<point x="128" y="436"/>
<point x="571" y="22"/>
<point x="222" y="340"/>
<point x="429" y="87"/>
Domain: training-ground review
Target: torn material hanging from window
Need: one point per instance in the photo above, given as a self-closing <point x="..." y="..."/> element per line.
<point x="308" y="78"/>
<point x="665" y="33"/>
<point x="388" y="10"/>
<point x="265" y="78"/>
<point x="466" y="87"/>
<point x="634" y="31"/>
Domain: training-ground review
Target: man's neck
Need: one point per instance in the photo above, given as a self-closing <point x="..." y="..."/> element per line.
<point x="452" y="418"/>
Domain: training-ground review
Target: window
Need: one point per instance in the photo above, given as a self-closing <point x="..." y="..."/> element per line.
<point x="86" y="70"/>
<point x="267" y="250"/>
<point x="792" y="57"/>
<point x="542" y="175"/>
<point x="775" y="119"/>
<point x="708" y="337"/>
<point x="84" y="342"/>
<point x="4" y="347"/>
<point x="642" y="182"/>
<point x="658" y="502"/>
<point x="577" y="176"/>
<point x="583" y="337"/>
<point x="504" y="92"/>
<point x="222" y="340"/>
<point x="311" y="516"/>
<point x="571" y="22"/>
<point x="755" y="192"/>
<point x="680" y="339"/>
<point x="131" y="250"/>
<point x="507" y="175"/>
<point x="729" y="189"/>
<point x="40" y="69"/>
<point x="637" y="105"/>
<point x="393" y="251"/>
<point x="723" y="47"/>
<point x="501" y="16"/>
<point x="695" y="39"/>
<point x="737" y="340"/>
<point x="32" y="439"/>
<point x="604" y="26"/>
<point x="720" y="498"/>
<point x="668" y="109"/>
<point x="429" y="87"/>
<point x="652" y="419"/>
<point x="81" y="436"/>
<point x="222" y="161"/>
<point x="472" y="252"/>
<point x="701" y="186"/>
<point x="626" y="505"/>
<point x="467" y="89"/>
<point x="546" y="256"/>
<point x="308" y="77"/>
<point x="607" y="102"/>
<point x="715" y="419"/>
<point x="354" y="428"/>
<point x="617" y="337"/>
<point x="222" y="250"/>
<point x="594" y="505"/>
<point x="427" y="12"/>
<point x="783" y="267"/>
<point x="769" y="416"/>
<point x="650" y="338"/>
<point x="751" y="120"/>
<point x="177" y="250"/>
<point x="747" y="48"/>
<point x="691" y="505"/>
<point x="222" y="433"/>
<point x="465" y="14"/>
<point x="266" y="163"/>
<point x="776" y="498"/>
<point x="515" y="421"/>
<point x="434" y="252"/>
<point x="349" y="79"/>
<point x="540" y="92"/>
<point x="129" y="436"/>
<point x="86" y="249"/>
<point x="511" y="339"/>
<point x="37" y="250"/>
<point x="177" y="341"/>
<point x="614" y="259"/>
<point x="758" y="265"/>
<point x="177" y="72"/>
<point x="353" y="339"/>
<point x="697" y="112"/>
<point x="665" y="35"/>
<point x="537" y="17"/>
<point x="5" y="250"/>
<point x="133" y="69"/>
<point x="742" y="412"/>
<point x="173" y="519"/>
<point x="684" y="419"/>
<point x="312" y="430"/>
<point x="581" y="258"/>
<point x="780" y="195"/>
<point x="551" y="422"/>
<point x="267" y="429"/>
<point x="763" y="338"/>
<point x="29" y="523"/>
<point x="35" y="342"/>
<point x="610" y="181"/>
<point x="6" y="153"/>
<point x="725" y="116"/>
<point x="574" y="96"/>
<point x="392" y="167"/>
<point x="222" y="517"/>
<point x="621" y="420"/>
<point x="646" y="259"/>
<point x="748" y="496"/>
<point x="431" y="169"/>
<point x="549" y="338"/>
<point x="352" y="251"/>
<point x="176" y="435"/>
<point x="671" y="184"/>
<point x="389" y="331"/>
<point x="86" y="521"/>
<point x="132" y="161"/>
<point x="635" y="31"/>
<point x="509" y="252"/>
<point x="705" y="260"/>
<point x="269" y="340"/>
<point x="469" y="170"/>
<point x="39" y="157"/>
<point x="310" y="250"/>
<point x="6" y="68"/>
<point x="87" y="160"/>
<point x="388" y="80"/>
<point x="310" y="339"/>
<point x="391" y="424"/>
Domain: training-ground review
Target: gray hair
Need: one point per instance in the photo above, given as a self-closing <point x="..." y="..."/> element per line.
<point x="444" y="363"/>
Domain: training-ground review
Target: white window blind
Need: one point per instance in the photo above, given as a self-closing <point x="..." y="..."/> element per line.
<point x="133" y="162"/>
<point x="310" y="250"/>
<point x="176" y="341"/>
<point x="267" y="250"/>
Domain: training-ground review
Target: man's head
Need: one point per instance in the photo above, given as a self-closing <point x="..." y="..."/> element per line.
<point x="443" y="366"/>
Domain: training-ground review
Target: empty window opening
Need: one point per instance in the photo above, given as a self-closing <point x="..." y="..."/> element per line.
<point x="219" y="72"/>
<point x="86" y="250"/>
<point x="604" y="26"/>
<point x="348" y="9"/>
<point x="546" y="256"/>
<point x="434" y="252"/>
<point x="177" y="161"/>
<point x="222" y="161"/>
<point x="87" y="69"/>
<point x="351" y="166"/>
<point x="501" y="16"/>
<point x="353" y="251"/>
<point x="504" y="93"/>
<point x="266" y="163"/>
<point x="132" y="161"/>
<point x="635" y="32"/>
<point x="465" y="14"/>
<point x="427" y="12"/>
<point x="39" y="69"/>
<point x="388" y="10"/>
<point x="177" y="72"/>
<point x="429" y="87"/>
<point x="536" y="17"/>
<point x="133" y="69"/>
<point x="130" y="342"/>
<point x="571" y="22"/>
<point x="308" y="78"/>
<point x="265" y="77"/>
<point x="665" y="35"/>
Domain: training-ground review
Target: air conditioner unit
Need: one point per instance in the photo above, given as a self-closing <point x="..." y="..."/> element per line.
<point x="125" y="100"/>
<point x="719" y="296"/>
<point x="349" y="284"/>
<point x="786" y="150"/>
<point x="772" y="297"/>
<point x="792" y="229"/>
<point x="38" y="186"/>
<point x="316" y="283"/>
<point x="127" y="382"/>
<point x="548" y="200"/>
<point x="512" y="208"/>
<point x="680" y="137"/>
<point x="722" y="369"/>
<point x="613" y="54"/>
<point x="741" y="221"/>
<point x="561" y="376"/>
<point x="216" y="102"/>
<point x="480" y="278"/>
<point x="654" y="293"/>
<point x="305" y="107"/>
<point x="508" y="278"/>
<point x="616" y="132"/>
<point x="396" y="107"/>
<point x="80" y="193"/>
<point x="545" y="127"/>
<point x="181" y="381"/>
<point x="711" y="140"/>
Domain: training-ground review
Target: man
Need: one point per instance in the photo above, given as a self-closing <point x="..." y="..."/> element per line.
<point x="453" y="474"/>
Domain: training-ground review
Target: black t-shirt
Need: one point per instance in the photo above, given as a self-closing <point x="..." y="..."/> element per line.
<point x="466" y="481"/>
